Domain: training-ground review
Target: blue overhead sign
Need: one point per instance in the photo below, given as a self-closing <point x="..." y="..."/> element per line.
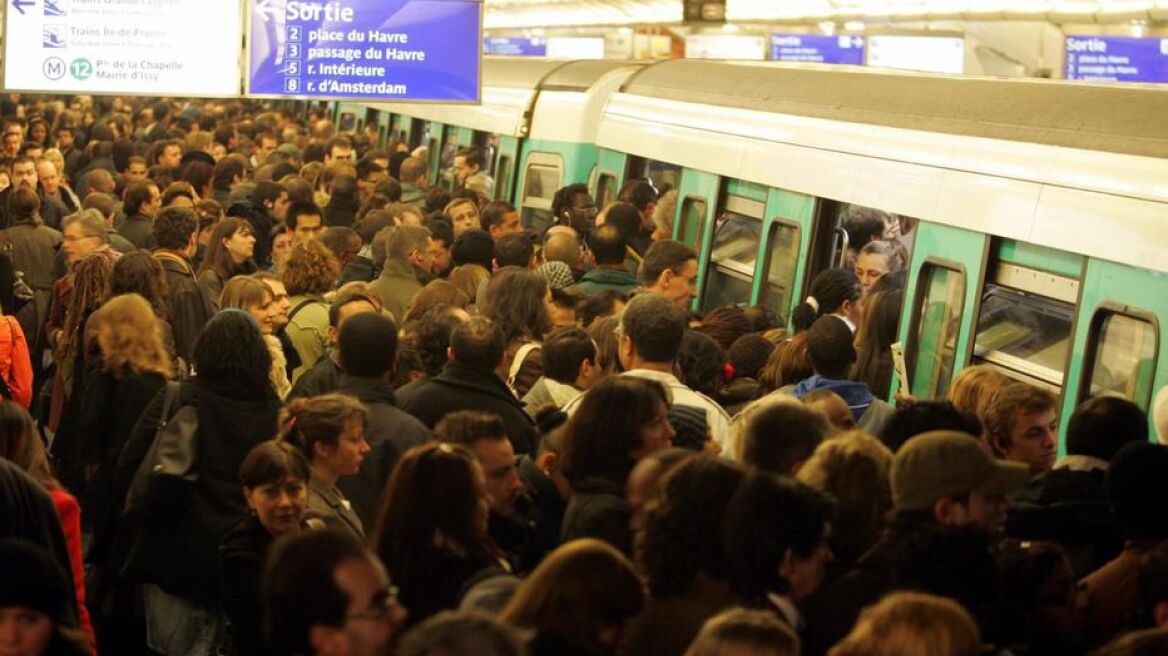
<point x="410" y="50"/>
<point x="1117" y="59"/>
<point x="842" y="49"/>
<point x="515" y="46"/>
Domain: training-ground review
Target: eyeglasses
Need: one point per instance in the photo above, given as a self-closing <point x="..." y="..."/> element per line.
<point x="380" y="606"/>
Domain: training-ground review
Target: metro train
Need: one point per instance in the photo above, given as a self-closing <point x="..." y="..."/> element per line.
<point x="1042" y="207"/>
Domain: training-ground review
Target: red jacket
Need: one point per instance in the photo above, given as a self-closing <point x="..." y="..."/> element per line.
<point x="15" y="363"/>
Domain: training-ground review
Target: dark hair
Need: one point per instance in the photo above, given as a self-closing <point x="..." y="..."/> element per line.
<point x="564" y="197"/>
<point x="923" y="416"/>
<point x="702" y="362"/>
<point x="174" y="226"/>
<point x="478" y="343"/>
<point x="875" y="337"/>
<point x="779" y="435"/>
<point x="829" y="343"/>
<point x="655" y="326"/>
<point x="863" y="225"/>
<point x="639" y="192"/>
<point x="666" y="254"/>
<point x="762" y="318"/>
<point x="608" y="245"/>
<point x="600" y="304"/>
<point x="231" y="350"/>
<point x="625" y="218"/>
<point x="474" y="156"/>
<point x="679" y="537"/>
<point x="218" y="259"/>
<point x="136" y="195"/>
<point x="606" y="427"/>
<point x="299" y="209"/>
<point x="343" y="191"/>
<point x="308" y="421"/>
<point x="514" y="249"/>
<point x="367" y="345"/>
<point x="492" y="215"/>
<point x="768" y="516"/>
<point x="466" y="427"/>
<point x="437" y="199"/>
<point x="473" y="247"/>
<point x="1101" y="426"/>
<point x="514" y="301"/>
<point x="226" y="170"/>
<point x="436" y="292"/>
<point x="299" y="588"/>
<point x="829" y="289"/>
<point x="564" y="350"/>
<point x="270" y="461"/>
<point x="139" y="272"/>
<point x="749" y="354"/>
<point x="366" y="166"/>
<point x="344" y="298"/>
<point x="461" y="632"/>
<point x="440" y="230"/>
<point x="726" y="324"/>
<point x="390" y="188"/>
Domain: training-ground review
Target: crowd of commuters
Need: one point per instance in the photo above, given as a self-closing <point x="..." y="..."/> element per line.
<point x="268" y="389"/>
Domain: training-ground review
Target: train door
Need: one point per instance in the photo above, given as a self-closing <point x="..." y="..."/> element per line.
<point x="697" y="201"/>
<point x="1118" y="348"/>
<point x="610" y="169"/>
<point x="543" y="174"/>
<point x="790" y="219"/>
<point x="937" y="327"/>
<point x="506" y="155"/>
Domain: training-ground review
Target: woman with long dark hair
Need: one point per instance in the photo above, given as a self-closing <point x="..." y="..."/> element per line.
<point x="833" y="291"/>
<point x="229" y="254"/>
<point x="432" y="528"/>
<point x="874" y="341"/>
<point x="520" y="302"/>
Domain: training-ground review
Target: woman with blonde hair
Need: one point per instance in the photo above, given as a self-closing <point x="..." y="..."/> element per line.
<point x="742" y="632"/>
<point x="577" y="601"/>
<point x="255" y="297"/>
<point x="905" y="623"/>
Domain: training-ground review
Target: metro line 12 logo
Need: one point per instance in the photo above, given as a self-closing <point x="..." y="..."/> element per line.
<point x="81" y="68"/>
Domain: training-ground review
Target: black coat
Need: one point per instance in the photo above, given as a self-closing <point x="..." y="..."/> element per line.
<point x="187" y="307"/>
<point x="460" y="387"/>
<point x="139" y="229"/>
<point x="390" y="433"/>
<point x="241" y="560"/>
<point x="321" y="378"/>
<point x="598" y="509"/>
<point x="178" y="551"/>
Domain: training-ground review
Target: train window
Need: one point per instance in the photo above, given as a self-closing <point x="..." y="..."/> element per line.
<point x="605" y="189"/>
<point x="446" y="160"/>
<point x="933" y="350"/>
<point x="543" y="176"/>
<point x="693" y="221"/>
<point x="782" y="256"/>
<point x="734" y="253"/>
<point x="347" y="122"/>
<point x="1123" y="349"/>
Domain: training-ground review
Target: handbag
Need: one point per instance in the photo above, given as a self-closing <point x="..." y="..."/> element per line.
<point x="167" y="473"/>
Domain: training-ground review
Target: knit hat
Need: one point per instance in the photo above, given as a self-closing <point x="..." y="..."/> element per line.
<point x="939" y="464"/>
<point x="31" y="578"/>
<point x="558" y="274"/>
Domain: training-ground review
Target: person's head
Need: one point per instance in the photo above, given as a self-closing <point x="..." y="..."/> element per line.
<point x="311" y="269"/>
<point x="349" y="302"/>
<point x="339" y="149"/>
<point x="863" y="225"/>
<point x="440" y="247"/>
<point x="702" y="363"/>
<point x="35" y="611"/>
<point x="228" y="173"/>
<point x="468" y="162"/>
<point x="912" y="623"/>
<point x="254" y="297"/>
<point x="1134" y="471"/>
<point x="642" y="195"/>
<point x="569" y="356"/>
<point x="781" y="434"/>
<point x="324" y="593"/>
<point x="949" y="476"/>
<point x="670" y="268"/>
<point x="20" y="443"/>
<point x="411" y="245"/>
<point x="1022" y="424"/>
<point x="514" y="249"/>
<point x="619" y="421"/>
<point x="519" y="302"/>
<point x="725" y="324"/>
<point x="833" y="291"/>
<point x="343" y="241"/>
<point x="918" y="417"/>
<point x="608" y="246"/>
<point x="231" y="247"/>
<point x="433" y="338"/>
<point x="974" y="387"/>
<point x="678" y="537"/>
<point x="231" y="351"/>
<point x="833" y="408"/>
<point x="564" y="301"/>
<point x="136" y="169"/>
<point x="130" y="337"/>
<point x="874" y="338"/>
<point x="463" y="214"/>
<point x="485" y="435"/>
<point x="789" y="363"/>
<point x="477" y="343"/>
<point x="563" y="247"/>
<point x="775" y="537"/>
<point x="651" y="331"/>
<point x="573" y="206"/>
<point x="853" y="469"/>
<point x="176" y="229"/>
<point x="829" y="344"/>
<point x="500" y="218"/>
<point x="742" y="632"/>
<point x="272" y="198"/>
<point x="473" y="247"/>
<point x="582" y="593"/>
<point x="468" y="277"/>
<point x="413" y="171"/>
<point x="48" y="175"/>
<point x="461" y="633"/>
<point x="274" y="476"/>
<point x="876" y="259"/>
<point x="329" y="430"/>
<point x="367" y="345"/>
<point x="142" y="197"/>
<point x="604" y="304"/>
<point x="304" y="220"/>
<point x="83" y="233"/>
<point x="435" y="293"/>
<point x="624" y="217"/>
<point x="1103" y="425"/>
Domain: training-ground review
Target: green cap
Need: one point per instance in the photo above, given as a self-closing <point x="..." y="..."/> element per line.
<point x="938" y="464"/>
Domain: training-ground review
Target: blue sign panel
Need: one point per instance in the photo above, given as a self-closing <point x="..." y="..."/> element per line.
<point x="515" y="47"/>
<point x="416" y="50"/>
<point x="842" y="49"/>
<point x="1117" y="59"/>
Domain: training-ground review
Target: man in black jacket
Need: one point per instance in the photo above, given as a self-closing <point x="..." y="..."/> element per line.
<point x="142" y="201"/>
<point x="176" y="230"/>
<point x="367" y="344"/>
<point x="470" y="382"/>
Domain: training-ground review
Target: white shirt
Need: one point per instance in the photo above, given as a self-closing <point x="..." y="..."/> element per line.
<point x="787" y="607"/>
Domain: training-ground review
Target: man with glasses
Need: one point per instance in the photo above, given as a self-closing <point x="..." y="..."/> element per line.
<point x="573" y="207"/>
<point x="324" y="593"/>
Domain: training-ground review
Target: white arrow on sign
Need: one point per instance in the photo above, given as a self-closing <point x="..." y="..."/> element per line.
<point x="265" y="8"/>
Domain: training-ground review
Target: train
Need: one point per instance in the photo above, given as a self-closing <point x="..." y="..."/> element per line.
<point x="1040" y="207"/>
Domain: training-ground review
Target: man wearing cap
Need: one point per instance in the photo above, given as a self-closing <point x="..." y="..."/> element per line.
<point x="939" y="478"/>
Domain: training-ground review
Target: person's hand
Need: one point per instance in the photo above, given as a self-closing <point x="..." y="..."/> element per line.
<point x="903" y="399"/>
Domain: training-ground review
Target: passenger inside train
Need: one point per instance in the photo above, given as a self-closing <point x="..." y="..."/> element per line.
<point x="274" y="387"/>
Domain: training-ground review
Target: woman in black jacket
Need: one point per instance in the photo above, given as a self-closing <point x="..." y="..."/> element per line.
<point x="175" y="550"/>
